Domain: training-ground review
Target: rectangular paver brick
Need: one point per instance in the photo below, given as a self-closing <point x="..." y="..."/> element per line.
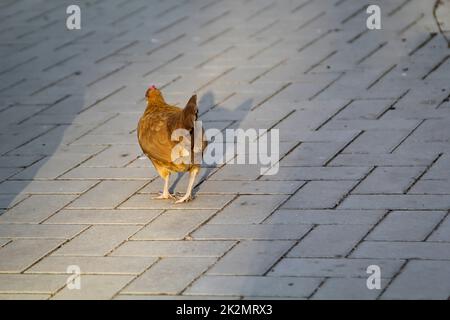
<point x="423" y="186"/>
<point x="145" y="201"/>
<point x="318" y="173"/>
<point x="330" y="241"/>
<point x="97" y="241"/>
<point x="347" y="289"/>
<point x="106" y="195"/>
<point x="319" y="195"/>
<point x="442" y="233"/>
<point x="250" y="187"/>
<point x="39" y="231"/>
<point x="396" y="202"/>
<point x="251" y="231"/>
<point x="103" y="216"/>
<point x="292" y="216"/>
<point x="169" y="276"/>
<point x="256" y="286"/>
<point x="19" y="254"/>
<point x="45" y="187"/>
<point x="325" y="267"/>
<point x="173" y="225"/>
<point x="51" y="167"/>
<point x="93" y="265"/>
<point x="94" y="287"/>
<point x="383" y="159"/>
<point x="251" y="258"/>
<point x="248" y="209"/>
<point x="406" y="226"/>
<point x="36" y="208"/>
<point x="388" y="180"/>
<point x="31" y="283"/>
<point x="402" y="250"/>
<point x="169" y="248"/>
<point x="421" y="280"/>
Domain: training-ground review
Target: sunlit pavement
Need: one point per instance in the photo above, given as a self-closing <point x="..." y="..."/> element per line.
<point x="363" y="185"/>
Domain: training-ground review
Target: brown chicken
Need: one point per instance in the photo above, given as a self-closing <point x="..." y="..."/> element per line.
<point x="169" y="153"/>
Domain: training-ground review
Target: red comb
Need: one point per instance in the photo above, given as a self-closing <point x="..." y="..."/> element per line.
<point x="152" y="87"/>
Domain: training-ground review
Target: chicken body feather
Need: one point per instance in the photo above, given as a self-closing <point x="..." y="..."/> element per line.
<point x="156" y="127"/>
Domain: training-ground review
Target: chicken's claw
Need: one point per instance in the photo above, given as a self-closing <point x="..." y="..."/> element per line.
<point x="162" y="196"/>
<point x="186" y="198"/>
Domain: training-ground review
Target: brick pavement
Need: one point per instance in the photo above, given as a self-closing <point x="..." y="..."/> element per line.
<point x="364" y="177"/>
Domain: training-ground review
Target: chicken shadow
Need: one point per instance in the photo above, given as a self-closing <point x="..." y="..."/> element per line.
<point x="37" y="112"/>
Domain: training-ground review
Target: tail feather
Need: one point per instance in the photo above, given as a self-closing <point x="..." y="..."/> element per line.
<point x="190" y="113"/>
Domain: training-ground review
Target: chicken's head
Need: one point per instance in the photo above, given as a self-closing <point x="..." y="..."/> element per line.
<point x="153" y="94"/>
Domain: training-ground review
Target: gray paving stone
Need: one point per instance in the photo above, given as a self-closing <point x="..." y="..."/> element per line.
<point x="51" y="167"/>
<point x="20" y="254"/>
<point x="90" y="217"/>
<point x="383" y="159"/>
<point x="292" y="216"/>
<point x="421" y="280"/>
<point x="114" y="156"/>
<point x="94" y="287"/>
<point x="23" y="296"/>
<point x="363" y="109"/>
<point x="311" y="267"/>
<point x="347" y="289"/>
<point x="319" y="195"/>
<point x="374" y="141"/>
<point x="406" y="226"/>
<point x="169" y="276"/>
<point x="21" y="161"/>
<point x="396" y="202"/>
<point x="312" y="154"/>
<point x="440" y="169"/>
<point x="318" y="173"/>
<point x="330" y="241"/>
<point x="376" y="124"/>
<point x="402" y="250"/>
<point x="96" y="241"/>
<point x="45" y="187"/>
<point x="442" y="233"/>
<point x="8" y="201"/>
<point x="106" y="195"/>
<point x="173" y="225"/>
<point x="89" y="173"/>
<point x="251" y="231"/>
<point x="237" y="172"/>
<point x="250" y="187"/>
<point x="3" y="242"/>
<point x="31" y="283"/>
<point x="423" y="186"/>
<point x="255" y="286"/>
<point x="7" y="172"/>
<point x="388" y="180"/>
<point x="145" y="201"/>
<point x="39" y="231"/>
<point x="169" y="248"/>
<point x="257" y="208"/>
<point x="250" y="258"/>
<point x="93" y="265"/>
<point x="32" y="210"/>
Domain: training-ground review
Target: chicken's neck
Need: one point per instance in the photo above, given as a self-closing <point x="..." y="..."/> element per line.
<point x="153" y="104"/>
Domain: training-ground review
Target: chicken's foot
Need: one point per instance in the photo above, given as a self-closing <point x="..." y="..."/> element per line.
<point x="188" y="196"/>
<point x="165" y="194"/>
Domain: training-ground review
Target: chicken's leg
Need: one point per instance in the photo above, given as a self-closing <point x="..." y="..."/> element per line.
<point x="188" y="195"/>
<point x="165" y="194"/>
